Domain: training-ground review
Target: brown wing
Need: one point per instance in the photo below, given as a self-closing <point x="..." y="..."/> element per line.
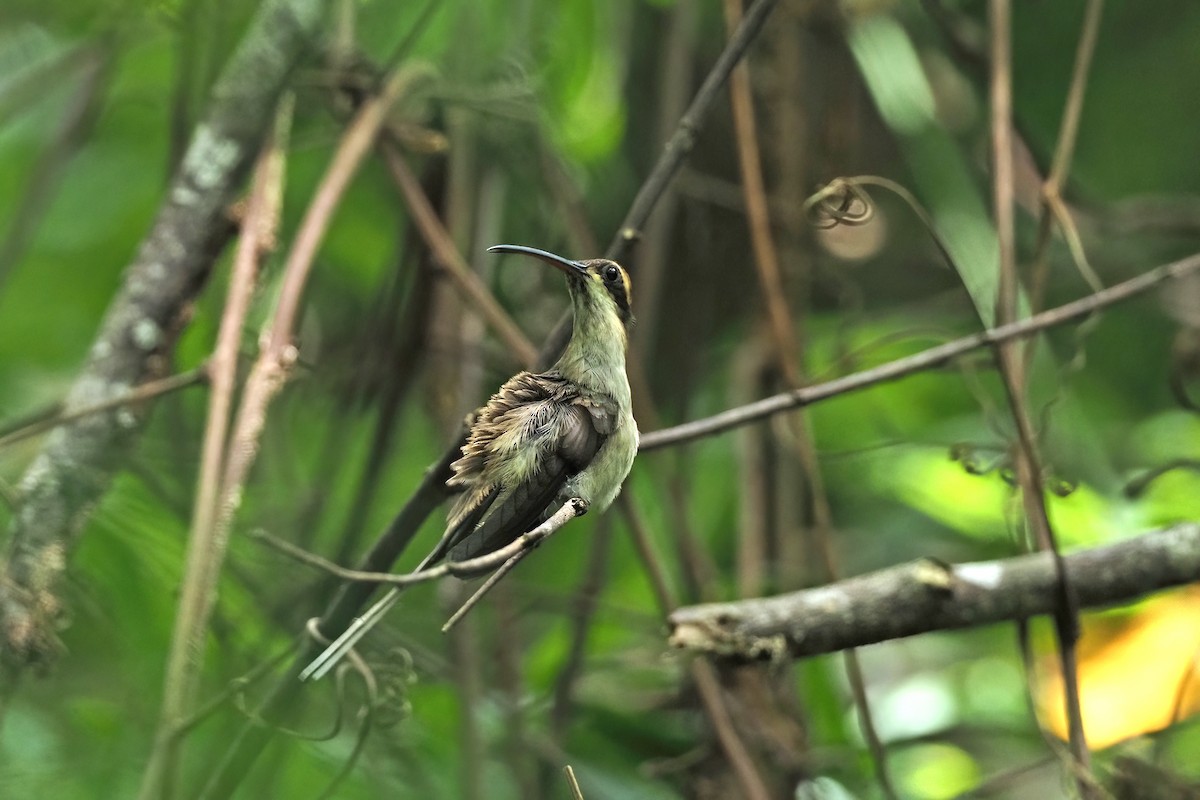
<point x="474" y="471"/>
<point x="534" y="434"/>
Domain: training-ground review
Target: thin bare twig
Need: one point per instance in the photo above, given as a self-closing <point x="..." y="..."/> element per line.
<point x="497" y="558"/>
<point x="582" y="614"/>
<point x="782" y="329"/>
<point x="673" y="153"/>
<point x="1005" y="779"/>
<point x="1068" y="133"/>
<point x="684" y="138"/>
<point x="1054" y="209"/>
<point x="754" y="193"/>
<point x="232" y="689"/>
<point x="1013" y="373"/>
<point x="926" y="359"/>
<point x="744" y="768"/>
<point x="651" y="563"/>
<point x="138" y="394"/>
<point x="447" y="255"/>
<point x="258" y="225"/>
<point x="520" y="548"/>
<point x="572" y="783"/>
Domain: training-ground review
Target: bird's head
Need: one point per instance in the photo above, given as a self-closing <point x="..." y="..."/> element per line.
<point x="598" y="286"/>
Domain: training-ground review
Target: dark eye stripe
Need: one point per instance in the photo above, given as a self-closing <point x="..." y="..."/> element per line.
<point x="620" y="293"/>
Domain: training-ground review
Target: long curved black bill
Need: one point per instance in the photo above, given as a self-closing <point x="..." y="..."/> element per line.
<point x="564" y="264"/>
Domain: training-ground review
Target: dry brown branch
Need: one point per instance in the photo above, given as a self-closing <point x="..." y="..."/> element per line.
<point x="446" y="253"/>
<point x="929" y="595"/>
<point x="208" y="545"/>
<point x="1013" y="374"/>
<point x="782" y="328"/>
<point x="754" y="192"/>
<point x="258" y="230"/>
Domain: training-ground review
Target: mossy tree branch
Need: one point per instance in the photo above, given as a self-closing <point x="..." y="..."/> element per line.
<point x="78" y="460"/>
<point x="929" y="595"/>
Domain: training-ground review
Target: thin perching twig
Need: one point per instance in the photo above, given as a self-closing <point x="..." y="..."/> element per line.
<point x="467" y="568"/>
<point x="520" y="548"/>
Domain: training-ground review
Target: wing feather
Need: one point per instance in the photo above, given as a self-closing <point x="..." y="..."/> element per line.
<point x="533" y="435"/>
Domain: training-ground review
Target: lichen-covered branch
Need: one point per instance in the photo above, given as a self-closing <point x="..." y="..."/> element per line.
<point x="928" y="595"/>
<point x="77" y="462"/>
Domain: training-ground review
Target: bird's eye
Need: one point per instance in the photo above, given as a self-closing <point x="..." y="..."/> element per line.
<point x="611" y="273"/>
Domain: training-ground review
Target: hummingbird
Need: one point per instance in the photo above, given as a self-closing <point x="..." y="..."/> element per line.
<point x="543" y="439"/>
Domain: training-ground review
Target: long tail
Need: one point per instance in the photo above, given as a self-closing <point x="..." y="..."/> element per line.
<point x="361" y="626"/>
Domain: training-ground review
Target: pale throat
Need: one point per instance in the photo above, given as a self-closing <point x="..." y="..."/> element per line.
<point x="595" y="356"/>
